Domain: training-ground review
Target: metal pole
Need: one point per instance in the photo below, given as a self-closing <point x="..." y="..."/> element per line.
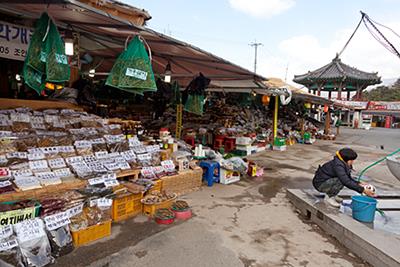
<point x="255" y="45"/>
<point x="276" y="117"/>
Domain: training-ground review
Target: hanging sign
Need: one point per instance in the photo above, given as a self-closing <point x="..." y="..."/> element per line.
<point x="14" y="40"/>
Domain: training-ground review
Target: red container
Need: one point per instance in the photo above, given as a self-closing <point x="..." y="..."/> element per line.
<point x="183" y="215"/>
<point x="164" y="221"/>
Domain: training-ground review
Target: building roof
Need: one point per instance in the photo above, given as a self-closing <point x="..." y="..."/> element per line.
<point x="103" y="36"/>
<point x="336" y="72"/>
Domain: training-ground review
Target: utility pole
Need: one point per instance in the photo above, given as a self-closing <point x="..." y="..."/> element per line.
<point x="255" y="45"/>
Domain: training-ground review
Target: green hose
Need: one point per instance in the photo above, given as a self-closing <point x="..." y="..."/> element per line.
<point x="375" y="163"/>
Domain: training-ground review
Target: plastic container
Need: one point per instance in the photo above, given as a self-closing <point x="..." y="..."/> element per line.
<point x="156" y="187"/>
<point x="164" y="221"/>
<point x="126" y="206"/>
<point x="92" y="233"/>
<point x="150" y="209"/>
<point x="183" y="215"/>
<point x="363" y="208"/>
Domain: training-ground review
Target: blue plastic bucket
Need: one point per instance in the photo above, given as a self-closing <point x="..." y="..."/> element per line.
<point x="363" y="208"/>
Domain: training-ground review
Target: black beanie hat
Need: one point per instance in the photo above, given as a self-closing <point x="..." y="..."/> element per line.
<point x="348" y="154"/>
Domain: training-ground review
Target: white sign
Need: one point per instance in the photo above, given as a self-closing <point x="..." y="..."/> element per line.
<point x="74" y="210"/>
<point x="139" y="74"/>
<point x="29" y="230"/>
<point x="5" y="184"/>
<point x="57" y="220"/>
<point x="8" y="244"/>
<point x="111" y="182"/>
<point x="104" y="202"/>
<point x="168" y="165"/>
<point x="6" y="232"/>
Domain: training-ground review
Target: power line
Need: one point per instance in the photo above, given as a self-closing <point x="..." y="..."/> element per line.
<point x="255" y="45"/>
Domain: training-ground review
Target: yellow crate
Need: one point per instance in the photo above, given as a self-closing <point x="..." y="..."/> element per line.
<point x="151" y="209"/>
<point x="156" y="187"/>
<point x="92" y="233"/>
<point x="126" y="206"/>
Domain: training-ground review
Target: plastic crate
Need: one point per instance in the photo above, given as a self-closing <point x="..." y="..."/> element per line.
<point x="156" y="187"/>
<point x="150" y="209"/>
<point x="92" y="233"/>
<point x="126" y="206"/>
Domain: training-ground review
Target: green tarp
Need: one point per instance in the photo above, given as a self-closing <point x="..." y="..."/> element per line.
<point x="46" y="60"/>
<point x="132" y="71"/>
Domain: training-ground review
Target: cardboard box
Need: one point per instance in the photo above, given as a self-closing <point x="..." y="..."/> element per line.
<point x="228" y="177"/>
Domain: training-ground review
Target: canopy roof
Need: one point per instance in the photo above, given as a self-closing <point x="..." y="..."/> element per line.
<point x="335" y="75"/>
<point x="103" y="36"/>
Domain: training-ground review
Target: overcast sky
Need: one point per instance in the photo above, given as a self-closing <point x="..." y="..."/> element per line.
<point x="299" y="34"/>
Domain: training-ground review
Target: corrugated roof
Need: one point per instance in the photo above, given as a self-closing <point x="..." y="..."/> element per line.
<point x="337" y="71"/>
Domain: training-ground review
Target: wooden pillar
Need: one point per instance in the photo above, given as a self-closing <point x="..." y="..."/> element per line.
<point x="348" y="95"/>
<point x="329" y="95"/>
<point x="319" y="91"/>
<point x="339" y="93"/>
<point x="327" y="122"/>
<point x="315" y="92"/>
<point x="309" y="90"/>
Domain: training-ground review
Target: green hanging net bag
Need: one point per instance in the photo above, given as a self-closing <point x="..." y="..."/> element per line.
<point x="46" y="60"/>
<point x="132" y="71"/>
<point x="194" y="104"/>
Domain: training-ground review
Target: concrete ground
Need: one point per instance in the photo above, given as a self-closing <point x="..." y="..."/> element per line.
<point x="250" y="223"/>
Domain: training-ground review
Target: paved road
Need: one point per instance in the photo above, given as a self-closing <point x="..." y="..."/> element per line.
<point x="389" y="139"/>
<point x="250" y="223"/>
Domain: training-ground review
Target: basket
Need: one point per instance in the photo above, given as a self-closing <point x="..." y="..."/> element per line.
<point x="184" y="182"/>
<point x="156" y="187"/>
<point x="92" y="233"/>
<point x="150" y="209"/>
<point x="126" y="206"/>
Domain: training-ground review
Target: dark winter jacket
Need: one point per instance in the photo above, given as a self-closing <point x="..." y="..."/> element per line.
<point x="336" y="168"/>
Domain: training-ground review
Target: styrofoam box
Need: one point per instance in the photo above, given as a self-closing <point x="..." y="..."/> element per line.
<point x="228" y="177"/>
<point x="243" y="141"/>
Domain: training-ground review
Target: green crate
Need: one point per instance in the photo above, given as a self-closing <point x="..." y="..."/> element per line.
<point x="280" y="141"/>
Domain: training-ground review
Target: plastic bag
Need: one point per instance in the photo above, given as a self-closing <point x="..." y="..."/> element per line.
<point x="60" y="241"/>
<point x="10" y="254"/>
<point x="33" y="242"/>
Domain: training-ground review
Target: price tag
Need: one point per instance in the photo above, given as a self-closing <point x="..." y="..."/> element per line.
<point x="83" y="144"/>
<point x="134" y="141"/>
<point x="74" y="210"/>
<point x="37" y="119"/>
<point x="147" y="172"/>
<point x="97" y="167"/>
<point x="20" y="166"/>
<point x="39" y="126"/>
<point x="104" y="202"/>
<point x="20" y="117"/>
<point x="8" y="244"/>
<point x="50" y="150"/>
<point x="50" y="119"/>
<point x="5" y="184"/>
<point x="6" y="134"/>
<point x="57" y="163"/>
<point x="111" y="182"/>
<point x="168" y="165"/>
<point x="123" y="165"/>
<point x="26" y="183"/>
<point x="4" y="172"/>
<point x="101" y="154"/>
<point x="6" y="232"/>
<point x="144" y="157"/>
<point x="129" y="155"/>
<point x="112" y="166"/>
<point x="64" y="172"/>
<point x="114" y="126"/>
<point x="98" y="141"/>
<point x="90" y="158"/>
<point x="118" y="138"/>
<point x="139" y="149"/>
<point x="153" y="148"/>
<point x="22" y="173"/>
<point x="97" y="180"/>
<point x="38" y="164"/>
<point x="74" y="160"/>
<point x="29" y="230"/>
<point x="158" y="169"/>
<point x="66" y="149"/>
<point x="17" y="155"/>
<point x="36" y="155"/>
<point x="57" y="220"/>
<point x="109" y="176"/>
<point x="113" y="155"/>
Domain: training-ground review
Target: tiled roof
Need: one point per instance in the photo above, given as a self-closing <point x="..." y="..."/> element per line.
<point x="337" y="71"/>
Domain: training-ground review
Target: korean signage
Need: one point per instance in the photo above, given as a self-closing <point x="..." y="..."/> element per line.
<point x="14" y="40"/>
<point x="382" y="105"/>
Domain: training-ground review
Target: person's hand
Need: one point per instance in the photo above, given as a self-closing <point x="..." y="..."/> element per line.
<point x="369" y="193"/>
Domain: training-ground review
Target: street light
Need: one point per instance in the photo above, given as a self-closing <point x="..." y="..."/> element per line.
<point x="92" y="72"/>
<point x="69" y="46"/>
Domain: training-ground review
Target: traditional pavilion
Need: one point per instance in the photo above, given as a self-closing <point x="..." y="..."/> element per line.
<point x="337" y="77"/>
